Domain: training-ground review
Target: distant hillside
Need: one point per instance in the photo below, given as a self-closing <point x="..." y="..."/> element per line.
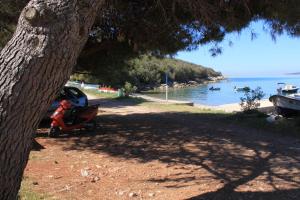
<point x="295" y="73"/>
<point x="148" y="71"/>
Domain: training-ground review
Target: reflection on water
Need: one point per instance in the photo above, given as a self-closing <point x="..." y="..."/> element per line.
<point x="227" y="94"/>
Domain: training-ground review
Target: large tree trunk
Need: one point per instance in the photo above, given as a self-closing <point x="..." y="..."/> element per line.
<point x="34" y="66"/>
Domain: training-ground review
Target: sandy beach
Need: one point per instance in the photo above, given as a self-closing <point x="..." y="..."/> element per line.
<point x="265" y="105"/>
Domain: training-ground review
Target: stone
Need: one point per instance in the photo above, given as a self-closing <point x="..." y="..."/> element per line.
<point x="98" y="166"/>
<point x="95" y="179"/>
<point x="132" y="194"/>
<point x="121" y="193"/>
<point x="151" y="194"/>
<point x="84" y="172"/>
<point x="35" y="183"/>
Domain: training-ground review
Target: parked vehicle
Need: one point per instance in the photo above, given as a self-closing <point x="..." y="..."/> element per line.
<point x="73" y="94"/>
<point x="68" y="118"/>
<point x="286" y="105"/>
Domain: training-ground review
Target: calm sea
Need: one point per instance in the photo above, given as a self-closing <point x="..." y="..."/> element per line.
<point x="202" y="94"/>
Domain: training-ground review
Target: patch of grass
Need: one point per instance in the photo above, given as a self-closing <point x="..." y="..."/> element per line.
<point x="134" y="100"/>
<point x="284" y="126"/>
<point x="101" y="94"/>
<point x="168" y="107"/>
<point x="179" y="108"/>
<point x="26" y="192"/>
<point x="32" y="156"/>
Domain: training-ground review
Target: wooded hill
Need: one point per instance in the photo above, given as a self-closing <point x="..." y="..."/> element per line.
<point x="145" y="71"/>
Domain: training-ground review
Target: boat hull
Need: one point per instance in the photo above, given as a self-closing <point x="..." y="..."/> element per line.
<point x="286" y="106"/>
<point x="290" y="91"/>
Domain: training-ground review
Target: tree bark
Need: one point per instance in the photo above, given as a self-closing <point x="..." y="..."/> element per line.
<point x="34" y="66"/>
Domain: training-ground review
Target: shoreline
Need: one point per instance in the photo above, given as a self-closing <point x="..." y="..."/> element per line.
<point x="265" y="104"/>
<point x="189" y="84"/>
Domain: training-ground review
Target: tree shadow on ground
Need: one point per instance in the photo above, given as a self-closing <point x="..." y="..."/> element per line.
<point x="35" y="146"/>
<point x="209" y="148"/>
<point x="232" y="195"/>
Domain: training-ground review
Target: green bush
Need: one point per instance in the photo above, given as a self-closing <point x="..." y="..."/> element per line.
<point x="251" y="99"/>
<point x="129" y="88"/>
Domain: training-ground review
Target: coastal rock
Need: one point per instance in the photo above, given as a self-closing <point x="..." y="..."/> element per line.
<point x="193" y="83"/>
<point x="177" y="85"/>
<point x="217" y="78"/>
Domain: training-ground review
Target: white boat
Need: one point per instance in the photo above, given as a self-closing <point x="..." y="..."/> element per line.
<point x="289" y="89"/>
<point x="286" y="105"/>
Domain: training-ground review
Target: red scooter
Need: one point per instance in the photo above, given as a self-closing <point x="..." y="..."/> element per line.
<point x="68" y="118"/>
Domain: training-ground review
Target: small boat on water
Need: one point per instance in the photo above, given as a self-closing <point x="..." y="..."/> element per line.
<point x="242" y="89"/>
<point x="286" y="105"/>
<point x="212" y="88"/>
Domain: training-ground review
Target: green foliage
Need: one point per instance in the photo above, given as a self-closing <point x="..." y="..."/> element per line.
<point x="129" y="88"/>
<point x="108" y="67"/>
<point x="256" y="119"/>
<point x="9" y="13"/>
<point x="166" y="26"/>
<point x="251" y="99"/>
<point x="98" y="94"/>
<point x="126" y="29"/>
<point x="142" y="71"/>
<point x="247" y="89"/>
<point x="26" y="192"/>
<point x="150" y="71"/>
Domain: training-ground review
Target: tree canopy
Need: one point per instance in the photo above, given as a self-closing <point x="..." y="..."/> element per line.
<point x="128" y="28"/>
<point x="167" y="26"/>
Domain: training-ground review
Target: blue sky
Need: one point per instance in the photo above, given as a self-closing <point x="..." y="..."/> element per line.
<point x="250" y="58"/>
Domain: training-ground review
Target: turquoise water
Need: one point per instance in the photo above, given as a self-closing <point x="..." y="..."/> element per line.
<point x="202" y="94"/>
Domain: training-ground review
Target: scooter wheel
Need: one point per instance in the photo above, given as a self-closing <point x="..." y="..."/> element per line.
<point x="53" y="132"/>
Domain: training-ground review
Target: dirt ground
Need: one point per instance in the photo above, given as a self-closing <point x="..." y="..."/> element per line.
<point x="139" y="153"/>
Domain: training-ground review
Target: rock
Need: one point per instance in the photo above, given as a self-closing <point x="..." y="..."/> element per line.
<point x="95" y="179"/>
<point x="84" y="172"/>
<point x="98" y="166"/>
<point x="273" y="118"/>
<point x="151" y="194"/>
<point x="55" y="162"/>
<point x="35" y="183"/>
<point x="121" y="193"/>
<point x="132" y="194"/>
<point x="192" y="83"/>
